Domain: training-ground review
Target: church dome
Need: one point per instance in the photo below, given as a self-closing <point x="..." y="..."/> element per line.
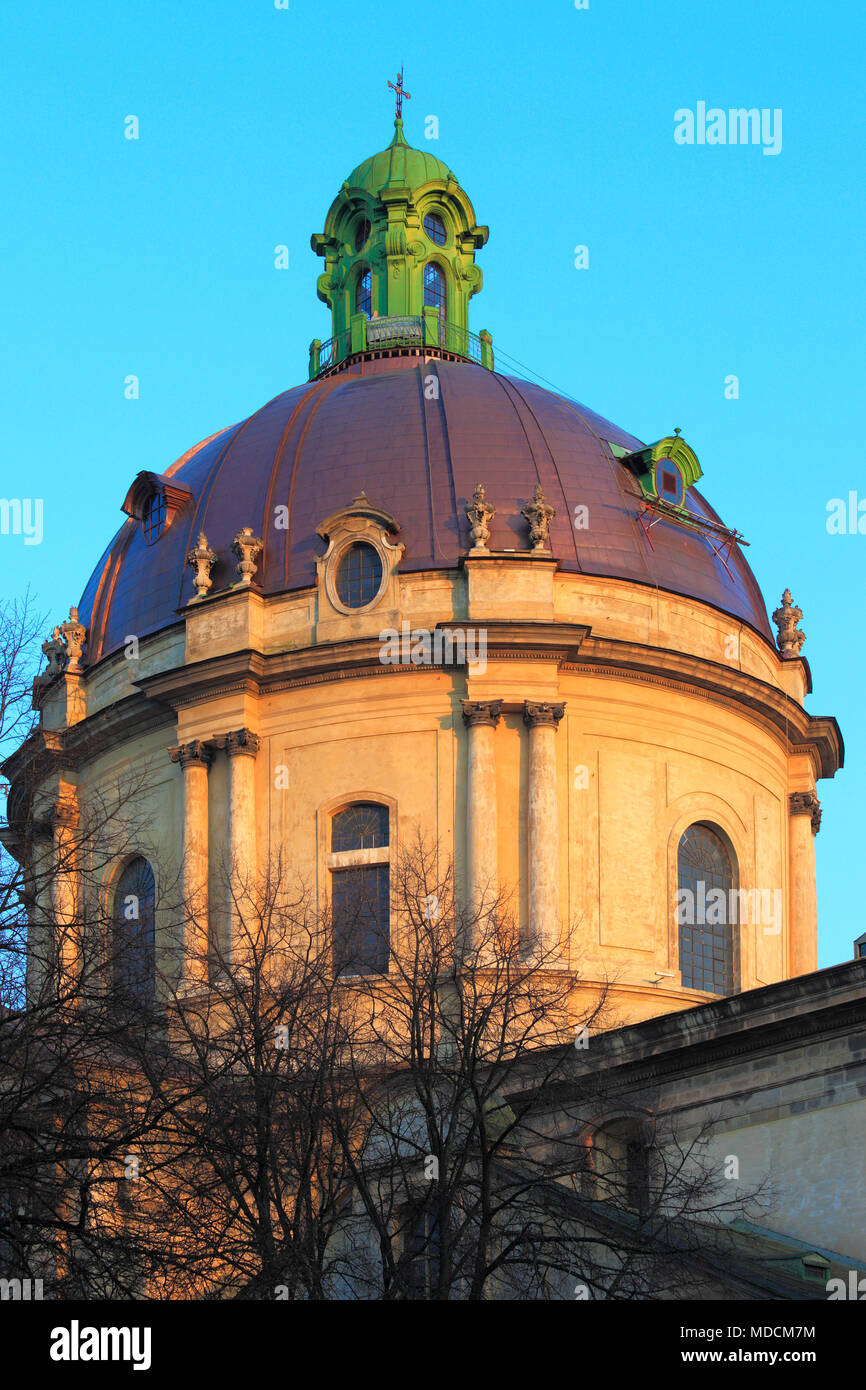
<point x="415" y="434"/>
<point x="400" y="163"/>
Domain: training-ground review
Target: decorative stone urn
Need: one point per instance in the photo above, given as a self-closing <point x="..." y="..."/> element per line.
<point x="786" y="618"/>
<point x="74" y="635"/>
<point x="202" y="560"/>
<point x="539" y="514"/>
<point x="479" y="515"/>
<point x="247" y="548"/>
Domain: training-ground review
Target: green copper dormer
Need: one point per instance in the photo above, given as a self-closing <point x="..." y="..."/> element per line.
<point x="399" y="249"/>
<point x="665" y="470"/>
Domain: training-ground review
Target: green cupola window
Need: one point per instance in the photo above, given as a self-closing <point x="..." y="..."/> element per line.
<point x="435" y="228"/>
<point x="362" y="234"/>
<point x="364" y="293"/>
<point x="435" y="293"/>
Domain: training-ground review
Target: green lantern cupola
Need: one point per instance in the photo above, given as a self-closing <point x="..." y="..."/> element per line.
<point x="399" y="249"/>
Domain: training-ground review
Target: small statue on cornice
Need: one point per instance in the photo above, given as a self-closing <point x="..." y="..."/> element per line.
<point x="479" y="515"/>
<point x="539" y="514"/>
<point x="247" y="548"/>
<point x="786" y="618"/>
<point x="54" y="648"/>
<point x="75" y="636"/>
<point x="202" y="561"/>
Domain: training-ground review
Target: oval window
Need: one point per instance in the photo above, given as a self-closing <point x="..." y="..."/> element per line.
<point x="435" y="228"/>
<point x="359" y="575"/>
<point x="362" y="232"/>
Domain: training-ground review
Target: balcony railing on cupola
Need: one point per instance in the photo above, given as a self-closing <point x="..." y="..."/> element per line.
<point x="394" y="334"/>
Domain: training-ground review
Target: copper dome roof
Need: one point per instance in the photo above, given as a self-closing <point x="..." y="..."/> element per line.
<point x="372" y="427"/>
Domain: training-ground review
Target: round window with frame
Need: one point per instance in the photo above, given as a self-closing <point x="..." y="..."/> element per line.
<point x="358" y="575"/>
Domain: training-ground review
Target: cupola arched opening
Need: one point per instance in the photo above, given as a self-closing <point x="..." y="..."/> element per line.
<point x="364" y="292"/>
<point x="435" y="289"/>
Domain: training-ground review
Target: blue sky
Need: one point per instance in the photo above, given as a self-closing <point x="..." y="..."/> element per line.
<point x="155" y="258"/>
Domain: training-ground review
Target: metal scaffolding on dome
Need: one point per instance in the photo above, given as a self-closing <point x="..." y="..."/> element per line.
<point x="722" y="539"/>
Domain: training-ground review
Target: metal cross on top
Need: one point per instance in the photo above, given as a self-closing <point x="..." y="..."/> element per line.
<point x="400" y="93"/>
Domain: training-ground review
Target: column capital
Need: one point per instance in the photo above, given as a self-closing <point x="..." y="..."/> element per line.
<point x="543" y="715"/>
<point x="241" y="741"/>
<point x="197" y="753"/>
<point x="64" y="812"/>
<point x="484" y="712"/>
<point x="806" y="804"/>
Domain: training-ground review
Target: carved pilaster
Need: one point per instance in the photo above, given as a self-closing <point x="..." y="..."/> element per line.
<point x="194" y="758"/>
<point x="806" y="804"/>
<point x="542" y="719"/>
<point x="241" y="746"/>
<point x="481" y="718"/>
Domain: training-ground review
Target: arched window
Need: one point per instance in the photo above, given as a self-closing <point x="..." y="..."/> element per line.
<point x="360" y="889"/>
<point x="619" y="1164"/>
<point x="434" y="288"/>
<point x="362" y="232"/>
<point x="133" y="962"/>
<point x="706" y="911"/>
<point x="364" y="293"/>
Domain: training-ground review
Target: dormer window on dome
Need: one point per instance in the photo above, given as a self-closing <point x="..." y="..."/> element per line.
<point x="155" y="500"/>
<point x="665" y="470"/>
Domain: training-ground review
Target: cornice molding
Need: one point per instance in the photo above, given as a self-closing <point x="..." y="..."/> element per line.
<point x="570" y="646"/>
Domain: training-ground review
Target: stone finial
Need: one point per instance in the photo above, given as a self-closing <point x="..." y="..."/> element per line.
<point x="539" y="514"/>
<point x="786" y="618"/>
<point x="202" y="561"/>
<point x="247" y="548"/>
<point x="54" y="648"/>
<point x="74" y="635"/>
<point x="479" y="515"/>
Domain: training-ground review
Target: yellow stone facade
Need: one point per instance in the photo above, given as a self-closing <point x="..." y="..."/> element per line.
<point x="251" y="719"/>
